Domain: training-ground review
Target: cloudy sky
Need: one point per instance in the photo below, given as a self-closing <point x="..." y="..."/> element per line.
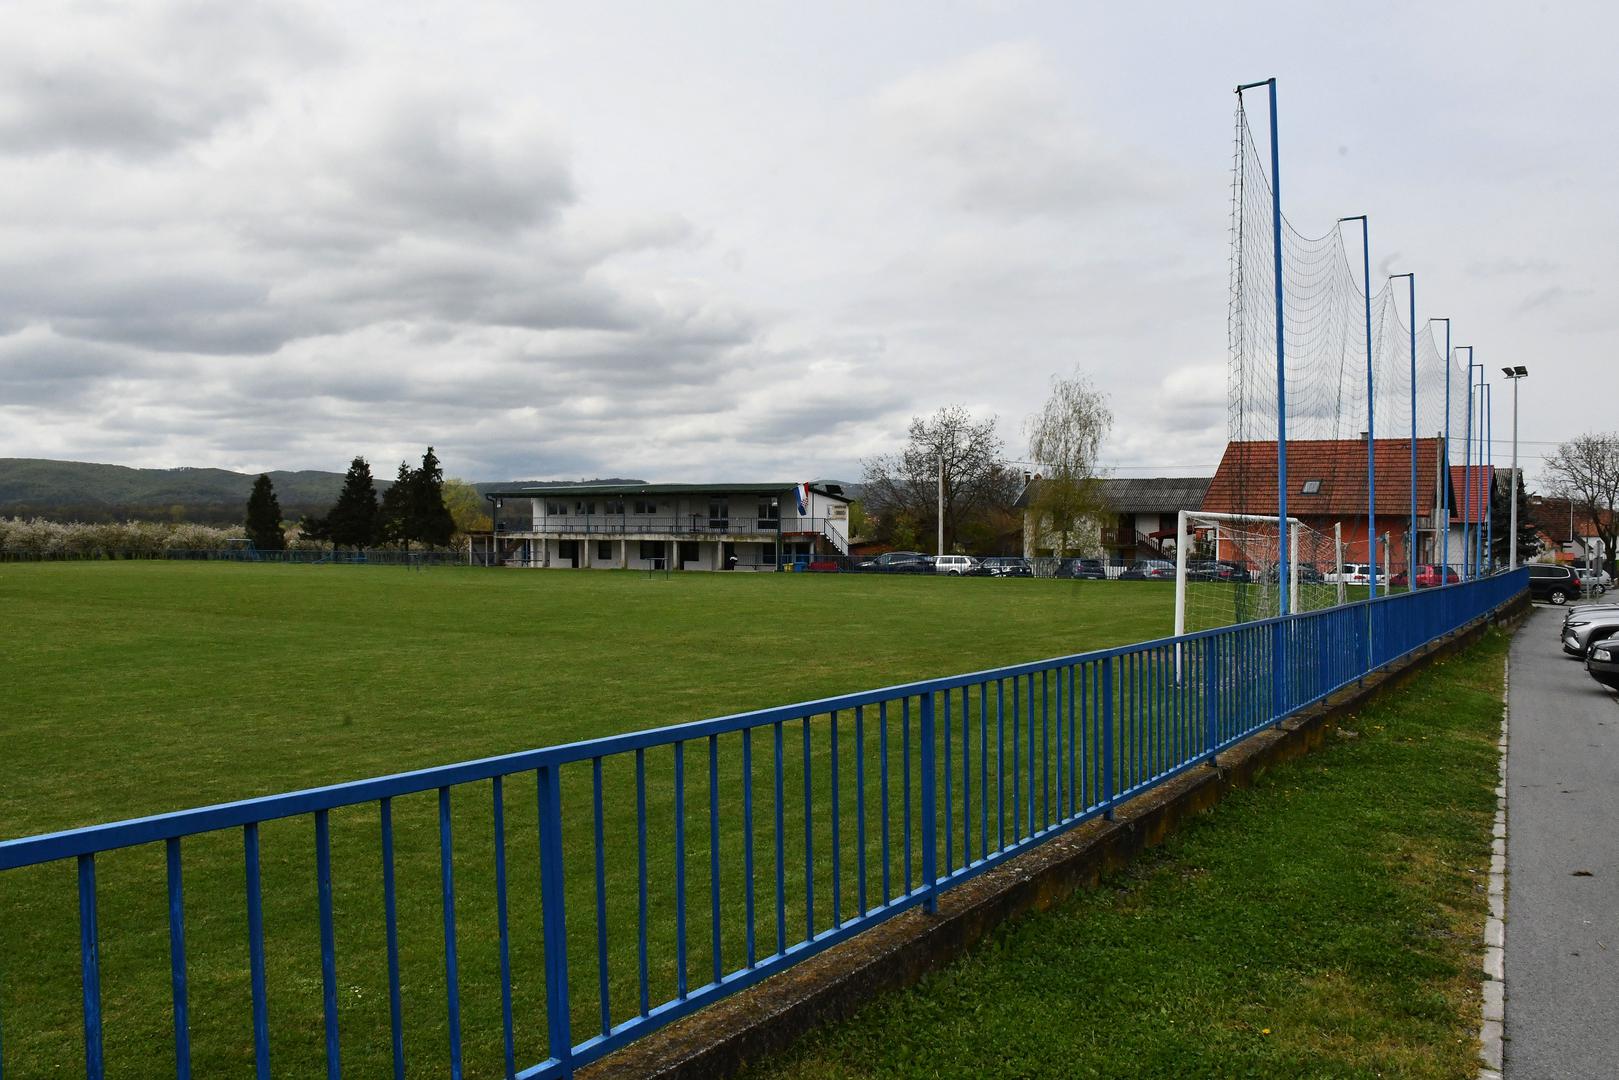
<point x="749" y="241"/>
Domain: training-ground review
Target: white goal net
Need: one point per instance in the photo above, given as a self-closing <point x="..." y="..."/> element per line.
<point x="1228" y="566"/>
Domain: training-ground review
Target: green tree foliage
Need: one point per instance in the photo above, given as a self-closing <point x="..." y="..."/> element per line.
<point x="431" y="520"/>
<point x="1065" y="441"/>
<point x="468" y="509"/>
<point x="1501" y="520"/>
<point x="264" y="516"/>
<point x="354" y="520"/>
<point x="413" y="509"/>
<point x="394" y="514"/>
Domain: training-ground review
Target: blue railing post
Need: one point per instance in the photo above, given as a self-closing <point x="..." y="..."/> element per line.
<point x="1107" y="737"/>
<point x="1278" y="671"/>
<point x="553" y="915"/>
<point x="930" y="809"/>
<point x="1211" y="696"/>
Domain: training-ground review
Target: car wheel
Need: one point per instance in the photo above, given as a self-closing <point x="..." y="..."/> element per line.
<point x="1559" y="598"/>
<point x="955" y="573"/>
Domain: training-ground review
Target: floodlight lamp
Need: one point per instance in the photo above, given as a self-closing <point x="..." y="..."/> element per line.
<point x="1521" y="371"/>
<point x="1509" y="373"/>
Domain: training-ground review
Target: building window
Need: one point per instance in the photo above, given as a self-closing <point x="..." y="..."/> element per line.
<point x="584" y="509"/>
<point x="556" y="509"/>
<point x="651" y="549"/>
<point x="643" y="506"/>
<point x="768" y="513"/>
<point x="719" y="513"/>
<point x="604" y="551"/>
<point x="1311" y="487"/>
<point x="613" y="506"/>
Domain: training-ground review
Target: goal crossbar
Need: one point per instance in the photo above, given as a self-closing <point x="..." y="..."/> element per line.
<point x="1182" y="546"/>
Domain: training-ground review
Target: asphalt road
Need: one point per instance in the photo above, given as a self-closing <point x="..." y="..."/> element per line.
<point x="1562" y="917"/>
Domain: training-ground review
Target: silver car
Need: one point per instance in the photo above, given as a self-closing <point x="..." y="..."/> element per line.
<point x="1585" y="626"/>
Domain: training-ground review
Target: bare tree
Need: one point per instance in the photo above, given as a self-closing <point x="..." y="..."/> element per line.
<point x="1065" y="441"/>
<point x="902" y="488"/>
<point x="1585" y="470"/>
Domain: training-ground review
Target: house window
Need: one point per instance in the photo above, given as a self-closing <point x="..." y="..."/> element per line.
<point x="584" y="509"/>
<point x="613" y="506"/>
<point x="643" y="506"/>
<point x="1311" y="487"/>
<point x="719" y="513"/>
<point x="651" y="549"/>
<point x="768" y="513"/>
<point x="556" y="509"/>
<point x="604" y="551"/>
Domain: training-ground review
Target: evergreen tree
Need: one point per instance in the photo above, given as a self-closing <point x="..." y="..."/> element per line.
<point x="1501" y="520"/>
<point x="264" y="516"/>
<point x="396" y="524"/>
<point x="431" y="521"/>
<point x="353" y="520"/>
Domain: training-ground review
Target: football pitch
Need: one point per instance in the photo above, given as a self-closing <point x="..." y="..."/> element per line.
<point x="142" y="687"/>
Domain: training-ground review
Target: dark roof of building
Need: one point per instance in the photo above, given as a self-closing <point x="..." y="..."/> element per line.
<point x="1137" y="495"/>
<point x="573" y="490"/>
<point x="1150" y="494"/>
<point x="1245" y="482"/>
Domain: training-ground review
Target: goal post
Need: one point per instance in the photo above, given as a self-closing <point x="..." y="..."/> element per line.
<point x="1187" y="520"/>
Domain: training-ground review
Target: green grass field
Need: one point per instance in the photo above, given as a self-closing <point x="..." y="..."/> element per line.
<point x="1325" y="923"/>
<point x="137" y="688"/>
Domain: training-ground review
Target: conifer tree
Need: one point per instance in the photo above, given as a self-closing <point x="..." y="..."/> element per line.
<point x="431" y="521"/>
<point x="353" y="519"/>
<point x="264" y="516"/>
<point x="398" y="509"/>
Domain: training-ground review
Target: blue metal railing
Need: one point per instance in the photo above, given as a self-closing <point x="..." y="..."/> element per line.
<point x="950" y="777"/>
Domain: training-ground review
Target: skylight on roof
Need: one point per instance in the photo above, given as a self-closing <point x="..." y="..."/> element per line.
<point x="1311" y="487"/>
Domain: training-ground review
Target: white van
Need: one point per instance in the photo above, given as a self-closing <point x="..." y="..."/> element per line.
<point x="1354" y="574"/>
<point x="954" y="564"/>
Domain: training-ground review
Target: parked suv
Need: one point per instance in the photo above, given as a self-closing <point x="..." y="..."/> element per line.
<point x="1083" y="569"/>
<point x="954" y="564"/>
<point x="1557" y="584"/>
<point x="1148" y="569"/>
<point x="1354" y="573"/>
<point x="1585" y="626"/>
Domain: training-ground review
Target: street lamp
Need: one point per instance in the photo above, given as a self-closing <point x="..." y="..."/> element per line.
<point x="1514" y="373"/>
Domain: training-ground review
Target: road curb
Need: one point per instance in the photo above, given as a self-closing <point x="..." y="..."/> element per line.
<point x="1492" y="995"/>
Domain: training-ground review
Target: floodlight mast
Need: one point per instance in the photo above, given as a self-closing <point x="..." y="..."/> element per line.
<point x="1514" y="373"/>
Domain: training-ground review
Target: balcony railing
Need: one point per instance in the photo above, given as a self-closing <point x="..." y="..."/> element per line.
<point x="646" y="524"/>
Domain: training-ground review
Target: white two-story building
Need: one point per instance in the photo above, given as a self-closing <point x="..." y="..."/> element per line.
<point x="669" y="526"/>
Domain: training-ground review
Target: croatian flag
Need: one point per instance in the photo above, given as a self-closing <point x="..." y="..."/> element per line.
<point x="802" y="491"/>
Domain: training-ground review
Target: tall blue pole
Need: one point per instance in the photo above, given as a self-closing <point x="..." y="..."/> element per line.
<point x="1444" y="472"/>
<point x="1467" y="472"/>
<point x="1411" y="527"/>
<point x="1489" y="471"/>
<point x="1478" y="529"/>
<point x="1281" y="352"/>
<point x="1371" y="409"/>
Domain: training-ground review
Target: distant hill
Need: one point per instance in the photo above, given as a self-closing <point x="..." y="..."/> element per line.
<point x="84" y="491"/>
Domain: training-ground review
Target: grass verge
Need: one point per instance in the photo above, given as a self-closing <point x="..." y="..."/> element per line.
<point x="1323" y="923"/>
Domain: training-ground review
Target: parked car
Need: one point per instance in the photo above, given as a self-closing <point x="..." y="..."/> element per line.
<point x="1354" y="573"/>
<point x="1603" y="664"/>
<point x="1003" y="566"/>
<point x="1427" y="576"/>
<point x="1082" y="569"/>
<point x="1148" y="570"/>
<point x="954" y="564"/>
<point x="1217" y="570"/>
<point x="1595" y="580"/>
<point x="1553" y="583"/>
<point x="898" y="562"/>
<point x="1586" y="626"/>
<point x="1309" y="573"/>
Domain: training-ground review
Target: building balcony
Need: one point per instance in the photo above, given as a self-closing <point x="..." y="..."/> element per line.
<point x="650" y="527"/>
